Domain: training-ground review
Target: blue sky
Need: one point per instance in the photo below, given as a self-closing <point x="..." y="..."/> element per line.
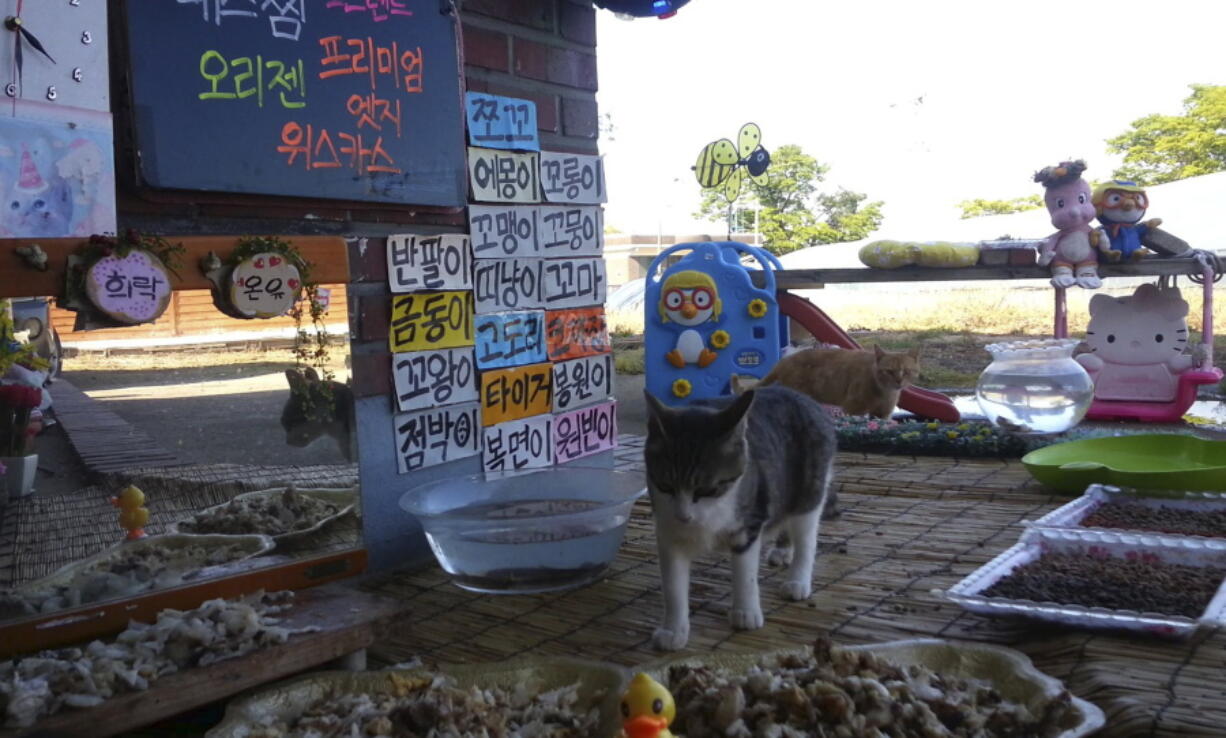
<point x="917" y="104"/>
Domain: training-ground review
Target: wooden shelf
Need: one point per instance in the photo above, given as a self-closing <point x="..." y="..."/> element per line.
<point x="328" y="256"/>
<point x="348" y="619"/>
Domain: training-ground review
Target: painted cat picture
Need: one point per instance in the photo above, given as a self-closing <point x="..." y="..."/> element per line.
<point x="315" y="409"/>
<point x="858" y="381"/>
<point x="733" y="474"/>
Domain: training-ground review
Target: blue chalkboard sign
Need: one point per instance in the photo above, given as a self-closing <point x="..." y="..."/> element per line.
<point x="338" y="99"/>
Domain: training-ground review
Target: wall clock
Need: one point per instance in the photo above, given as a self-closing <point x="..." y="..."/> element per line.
<point x="62" y="47"/>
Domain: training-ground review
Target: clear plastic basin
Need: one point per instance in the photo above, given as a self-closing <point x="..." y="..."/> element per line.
<point x="525" y="532"/>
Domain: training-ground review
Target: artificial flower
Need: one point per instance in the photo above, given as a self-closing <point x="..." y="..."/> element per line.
<point x="682" y="388"/>
<point x="757" y="308"/>
<point x="720" y="339"/>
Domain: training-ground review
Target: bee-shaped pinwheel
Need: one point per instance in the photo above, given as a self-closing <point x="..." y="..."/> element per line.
<point x="720" y="162"/>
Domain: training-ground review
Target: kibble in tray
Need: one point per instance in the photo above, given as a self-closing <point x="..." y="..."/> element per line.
<point x="1198" y="514"/>
<point x="1152" y="572"/>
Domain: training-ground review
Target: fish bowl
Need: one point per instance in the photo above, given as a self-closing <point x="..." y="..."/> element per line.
<point x="1034" y="386"/>
<point x="529" y="531"/>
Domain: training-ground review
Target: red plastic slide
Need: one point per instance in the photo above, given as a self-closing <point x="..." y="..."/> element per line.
<point x="922" y="402"/>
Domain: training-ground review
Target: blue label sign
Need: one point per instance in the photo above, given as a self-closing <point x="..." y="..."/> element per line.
<point x="510" y="339"/>
<point x="498" y="122"/>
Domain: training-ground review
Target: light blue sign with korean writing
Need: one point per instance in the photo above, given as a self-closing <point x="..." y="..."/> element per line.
<point x="497" y="122"/>
<point x="510" y="339"/>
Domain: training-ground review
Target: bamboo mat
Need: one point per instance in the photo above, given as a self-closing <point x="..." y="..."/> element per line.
<point x="908" y="526"/>
<point x="39" y="535"/>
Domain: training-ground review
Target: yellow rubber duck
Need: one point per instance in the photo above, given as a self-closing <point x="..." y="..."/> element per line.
<point x="647" y="709"/>
<point x="132" y="514"/>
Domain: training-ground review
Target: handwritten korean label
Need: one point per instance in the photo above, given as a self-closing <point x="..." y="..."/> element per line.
<point x="429" y="262"/>
<point x="285" y="17"/>
<point x="380" y="10"/>
<point x="503" y="231"/>
<point x="431" y="320"/>
<point x="581" y="382"/>
<point x="255" y="79"/>
<point x="510" y="339"/>
<point x="518" y="444"/>
<point x="571" y="230"/>
<point x="431" y="378"/>
<point x="507" y="284"/>
<point x="498" y="122"/>
<point x="577" y="178"/>
<point x="502" y="176"/>
<point x="567" y="283"/>
<point x="429" y="437"/>
<point x="511" y="394"/>
<point x="131" y="289"/>
<point x="264" y="286"/>
<point x="570" y="334"/>
<point x="583" y="432"/>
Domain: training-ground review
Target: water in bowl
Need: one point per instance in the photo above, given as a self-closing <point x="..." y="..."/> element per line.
<point x="558" y="549"/>
<point x="1042" y="404"/>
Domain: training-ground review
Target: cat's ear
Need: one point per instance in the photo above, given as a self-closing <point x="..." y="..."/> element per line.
<point x="295" y="378"/>
<point x="311" y="376"/>
<point x="732" y="415"/>
<point x="914" y="352"/>
<point x="877" y="351"/>
<point x="656" y="413"/>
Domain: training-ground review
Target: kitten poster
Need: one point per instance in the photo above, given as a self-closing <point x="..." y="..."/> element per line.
<point x="57" y="179"/>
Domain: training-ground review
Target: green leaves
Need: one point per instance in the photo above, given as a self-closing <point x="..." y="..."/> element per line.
<point x="1164" y="148"/>
<point x="979" y="207"/>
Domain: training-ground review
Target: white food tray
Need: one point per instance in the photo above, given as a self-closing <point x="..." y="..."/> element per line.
<point x="1070" y="515"/>
<point x="1036" y="541"/>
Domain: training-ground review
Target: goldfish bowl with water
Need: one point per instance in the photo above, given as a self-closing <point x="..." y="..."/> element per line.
<point x="526" y="532"/>
<point x="1035" y="386"/>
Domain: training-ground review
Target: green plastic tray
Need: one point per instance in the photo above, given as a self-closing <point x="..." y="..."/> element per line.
<point x="1149" y="461"/>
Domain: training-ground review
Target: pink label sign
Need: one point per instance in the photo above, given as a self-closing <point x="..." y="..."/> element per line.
<point x="584" y="432"/>
<point x="131" y="289"/>
<point x="264" y="286"/>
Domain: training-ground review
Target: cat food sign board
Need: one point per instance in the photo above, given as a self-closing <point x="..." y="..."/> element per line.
<point x="499" y="339"/>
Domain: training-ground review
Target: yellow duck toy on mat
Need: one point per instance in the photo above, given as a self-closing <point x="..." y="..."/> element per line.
<point x="647" y="709"/>
<point x="132" y="514"/>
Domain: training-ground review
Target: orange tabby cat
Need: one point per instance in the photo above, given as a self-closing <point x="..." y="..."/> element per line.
<point x="860" y="382"/>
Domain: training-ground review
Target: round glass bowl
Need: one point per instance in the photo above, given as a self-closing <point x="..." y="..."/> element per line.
<point x="526" y="532"/>
<point x="1035" y="386"/>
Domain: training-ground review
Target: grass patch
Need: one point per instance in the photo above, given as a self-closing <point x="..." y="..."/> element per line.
<point x="946" y="378"/>
<point x="628" y="361"/>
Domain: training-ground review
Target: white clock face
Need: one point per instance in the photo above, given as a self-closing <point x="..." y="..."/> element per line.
<point x="73" y="32"/>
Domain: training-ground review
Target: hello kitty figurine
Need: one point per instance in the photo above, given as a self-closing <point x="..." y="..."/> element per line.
<point x="1072" y="251"/>
<point x="1136" y="345"/>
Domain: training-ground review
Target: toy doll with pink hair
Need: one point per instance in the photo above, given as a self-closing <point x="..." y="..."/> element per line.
<point x="1073" y="250"/>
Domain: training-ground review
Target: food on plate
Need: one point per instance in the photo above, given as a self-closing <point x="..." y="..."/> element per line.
<point x="289" y="511"/>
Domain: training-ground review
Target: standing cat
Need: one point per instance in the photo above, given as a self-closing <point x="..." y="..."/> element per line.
<point x="316" y="408"/>
<point x="860" y="382"/>
<point x="725" y="473"/>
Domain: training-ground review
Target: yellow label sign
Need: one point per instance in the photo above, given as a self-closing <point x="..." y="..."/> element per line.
<point x="511" y="394"/>
<point x="431" y="320"/>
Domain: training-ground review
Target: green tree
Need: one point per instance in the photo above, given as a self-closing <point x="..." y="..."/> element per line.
<point x="791" y="213"/>
<point x="1164" y="148"/>
<point x="979" y="207"/>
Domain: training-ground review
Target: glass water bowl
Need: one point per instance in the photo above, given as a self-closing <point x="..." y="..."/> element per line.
<point x="526" y="532"/>
<point x="1035" y="386"/>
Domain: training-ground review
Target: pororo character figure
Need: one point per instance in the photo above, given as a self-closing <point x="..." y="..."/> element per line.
<point x="689" y="299"/>
<point x="1074" y="246"/>
<point x="1120" y="206"/>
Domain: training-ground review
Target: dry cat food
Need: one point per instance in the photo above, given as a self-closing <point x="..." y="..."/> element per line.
<point x="849" y="695"/>
<point x="1128" y="516"/>
<point x="435" y="706"/>
<point x="43" y="684"/>
<point x="1116" y="584"/>
<point x="273" y="515"/>
<point x="133" y="568"/>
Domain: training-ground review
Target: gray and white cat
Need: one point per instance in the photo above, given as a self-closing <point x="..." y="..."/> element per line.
<point x="316" y="408"/>
<point x="723" y="475"/>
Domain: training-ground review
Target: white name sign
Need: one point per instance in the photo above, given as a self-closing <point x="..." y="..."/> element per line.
<point x="429" y="437"/>
<point x="431" y="378"/>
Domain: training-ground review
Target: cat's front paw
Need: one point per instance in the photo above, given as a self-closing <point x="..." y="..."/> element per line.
<point x="746" y="618"/>
<point x="779" y="556"/>
<point x="797" y="589"/>
<point x="671" y="639"/>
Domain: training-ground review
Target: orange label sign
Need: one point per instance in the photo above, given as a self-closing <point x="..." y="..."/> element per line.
<point x="511" y="394"/>
<point x="571" y="334"/>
